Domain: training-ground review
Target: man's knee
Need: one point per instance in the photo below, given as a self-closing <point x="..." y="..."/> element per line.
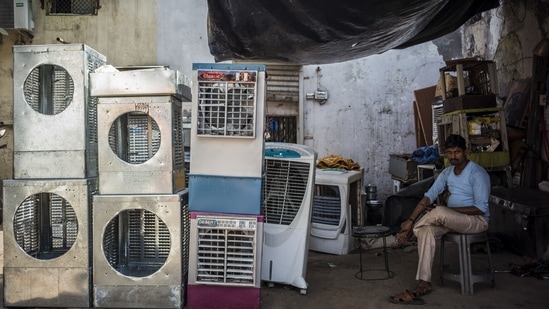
<point x="423" y="231"/>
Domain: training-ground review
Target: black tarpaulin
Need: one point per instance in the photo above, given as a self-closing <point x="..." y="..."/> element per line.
<point x="328" y="31"/>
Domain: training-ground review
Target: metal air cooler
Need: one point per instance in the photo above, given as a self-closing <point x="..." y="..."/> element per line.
<point x="141" y="250"/>
<point x="225" y="260"/>
<point x="140" y="145"/>
<point x="47" y="247"/>
<point x="228" y="116"/>
<point x="55" y="118"/>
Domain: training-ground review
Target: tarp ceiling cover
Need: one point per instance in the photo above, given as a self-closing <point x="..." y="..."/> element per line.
<point x="328" y="31"/>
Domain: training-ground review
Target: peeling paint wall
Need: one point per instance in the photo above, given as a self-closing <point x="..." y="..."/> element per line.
<point x="369" y="113"/>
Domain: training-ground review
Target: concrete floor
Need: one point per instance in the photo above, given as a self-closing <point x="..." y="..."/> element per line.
<point x="332" y="283"/>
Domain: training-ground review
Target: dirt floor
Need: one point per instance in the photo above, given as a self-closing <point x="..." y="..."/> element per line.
<point x="332" y="283"/>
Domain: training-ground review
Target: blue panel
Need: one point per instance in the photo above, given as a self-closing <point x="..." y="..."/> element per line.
<point x="228" y="66"/>
<point x="236" y="195"/>
<point x="281" y="153"/>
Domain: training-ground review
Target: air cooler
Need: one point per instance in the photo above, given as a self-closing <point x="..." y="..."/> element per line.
<point x="140" y="145"/>
<point x="336" y="209"/>
<point x="287" y="202"/>
<point x="141" y="250"/>
<point x="224" y="265"/>
<point x="55" y="118"/>
<point x="47" y="248"/>
<point x="228" y="116"/>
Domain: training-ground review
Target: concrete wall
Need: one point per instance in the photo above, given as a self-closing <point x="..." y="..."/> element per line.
<point x="369" y="111"/>
<point x="6" y="99"/>
<point x="124" y="31"/>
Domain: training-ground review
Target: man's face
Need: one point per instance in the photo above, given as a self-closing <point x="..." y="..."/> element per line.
<point x="455" y="155"/>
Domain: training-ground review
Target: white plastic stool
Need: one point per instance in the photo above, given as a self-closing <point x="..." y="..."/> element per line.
<point x="466" y="277"/>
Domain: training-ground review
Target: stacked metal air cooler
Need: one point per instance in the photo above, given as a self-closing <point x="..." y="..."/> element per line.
<point x="140" y="216"/>
<point x="47" y="206"/>
<point x="225" y="186"/>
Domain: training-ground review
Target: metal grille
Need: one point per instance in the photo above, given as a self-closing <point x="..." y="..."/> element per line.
<point x="326" y="205"/>
<point x="185" y="234"/>
<point x="136" y="243"/>
<point x="45" y="226"/>
<point x="284" y="190"/>
<point x="93" y="63"/>
<point x="281" y="129"/>
<point x="187" y="168"/>
<point x="226" y="250"/>
<point x="177" y="142"/>
<point x="227" y="108"/>
<point x="80" y="7"/>
<point x="134" y="137"/>
<point x="111" y="242"/>
<point x="48" y="89"/>
<point x="149" y="238"/>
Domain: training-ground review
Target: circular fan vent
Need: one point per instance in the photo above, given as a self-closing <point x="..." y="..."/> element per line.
<point x="45" y="226"/>
<point x="48" y="89"/>
<point x="134" y="137"/>
<point x="136" y="243"/>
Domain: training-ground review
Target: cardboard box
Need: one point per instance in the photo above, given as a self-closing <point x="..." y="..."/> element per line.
<point x="469" y="102"/>
<point x="401" y="167"/>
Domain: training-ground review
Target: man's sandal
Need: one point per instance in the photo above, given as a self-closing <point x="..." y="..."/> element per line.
<point x="406" y="298"/>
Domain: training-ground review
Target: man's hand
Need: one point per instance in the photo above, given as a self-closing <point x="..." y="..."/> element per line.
<point x="406" y="225"/>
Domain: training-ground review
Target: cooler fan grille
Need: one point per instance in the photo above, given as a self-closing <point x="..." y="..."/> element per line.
<point x="326" y="205"/>
<point x="45" y="225"/>
<point x="226" y="251"/>
<point x="226" y="108"/>
<point x="284" y="190"/>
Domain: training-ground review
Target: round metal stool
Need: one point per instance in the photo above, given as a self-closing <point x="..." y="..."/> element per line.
<point x="372" y="232"/>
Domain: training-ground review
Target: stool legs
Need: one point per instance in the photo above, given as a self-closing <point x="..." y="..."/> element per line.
<point x="466" y="278"/>
<point x="359" y="274"/>
<point x="386" y="258"/>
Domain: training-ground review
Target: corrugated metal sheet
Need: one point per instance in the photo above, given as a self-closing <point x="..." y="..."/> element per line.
<point x="283" y="83"/>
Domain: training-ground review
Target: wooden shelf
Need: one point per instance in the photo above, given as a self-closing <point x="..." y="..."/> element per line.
<point x="488" y="146"/>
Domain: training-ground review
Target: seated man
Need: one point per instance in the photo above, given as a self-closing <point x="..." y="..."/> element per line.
<point x="467" y="212"/>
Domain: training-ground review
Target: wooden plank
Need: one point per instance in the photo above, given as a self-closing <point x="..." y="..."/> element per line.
<point x="424" y="105"/>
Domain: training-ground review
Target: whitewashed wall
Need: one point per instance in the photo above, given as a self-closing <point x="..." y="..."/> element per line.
<point x="369" y="112"/>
